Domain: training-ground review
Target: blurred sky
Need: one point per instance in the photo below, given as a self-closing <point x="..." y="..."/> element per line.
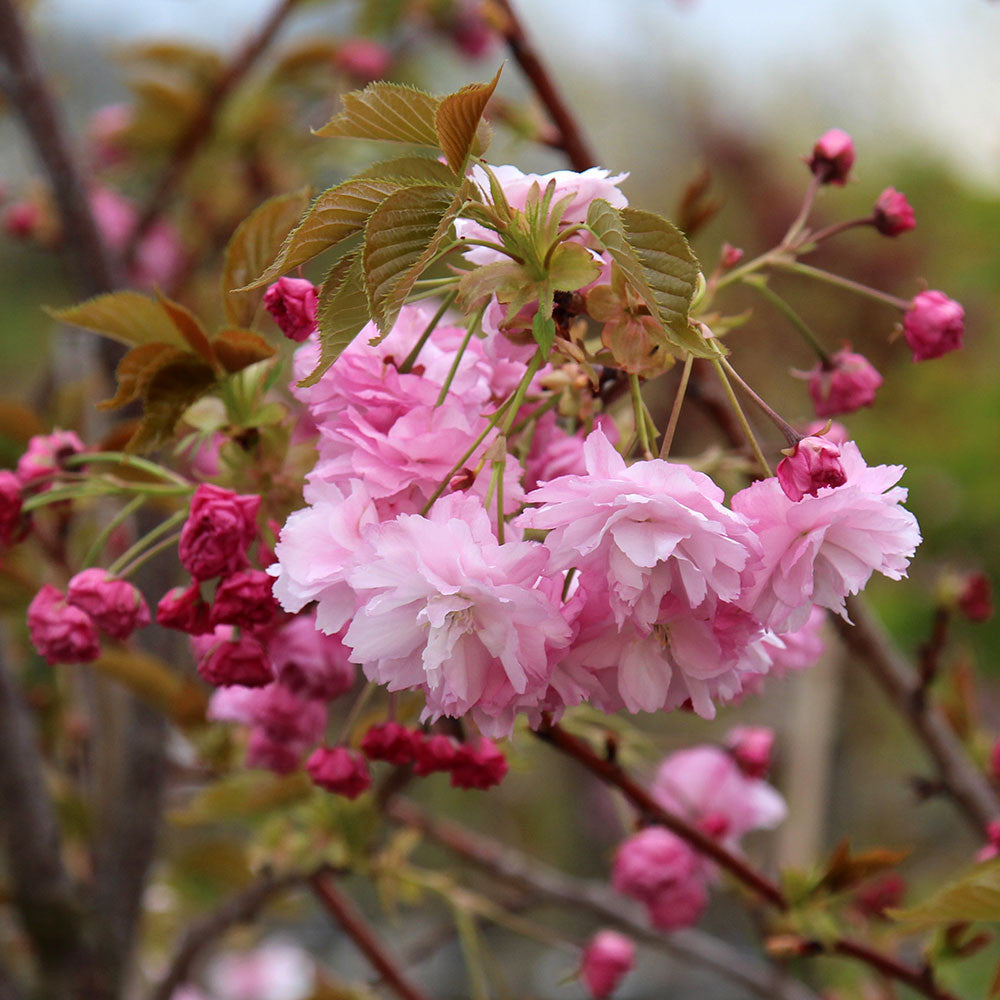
<point x="920" y="75"/>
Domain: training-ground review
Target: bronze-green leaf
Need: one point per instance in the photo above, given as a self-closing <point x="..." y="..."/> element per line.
<point x="136" y="369"/>
<point x="238" y="349"/>
<point x="336" y="215"/>
<point x="401" y="237"/>
<point x="188" y="326"/>
<point x="457" y="119"/>
<point x="407" y="170"/>
<point x="253" y="246"/>
<point x="975" y="896"/>
<point x="391" y="112"/>
<point x="173" y="387"/>
<point x="129" y="317"/>
<point x="341" y="313"/>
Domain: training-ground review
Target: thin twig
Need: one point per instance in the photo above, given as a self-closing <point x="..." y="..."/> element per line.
<point x="356" y="928"/>
<point x="571" y="139"/>
<point x="241" y="908"/>
<point x="964" y="782"/>
<point x="545" y="883"/>
<point x="203" y="124"/>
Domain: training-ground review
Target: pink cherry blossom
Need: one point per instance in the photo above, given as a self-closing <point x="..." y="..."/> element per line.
<point x="219" y="528"/>
<point x="813" y="464"/>
<point x="339" y="770"/>
<point x="651" y="861"/>
<point x="59" y="631"/>
<point x="607" y="959"/>
<point x="114" y="605"/>
<point x="45" y="455"/>
<point x="448" y="610"/>
<point x="821" y="549"/>
<point x="292" y="304"/>
<point x="934" y="325"/>
<point x="751" y="747"/>
<point x="308" y="661"/>
<point x="275" y="970"/>
<point x="847" y="383"/>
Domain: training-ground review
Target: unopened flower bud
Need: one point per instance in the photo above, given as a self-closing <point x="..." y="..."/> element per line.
<point x="218" y="530"/>
<point x="933" y="325"/>
<point x="893" y="213"/>
<point x="114" y="605"/>
<point x="462" y="480"/>
<point x="363" y="59"/>
<point x="59" y="631"/>
<point x="185" y="610"/>
<point x="845" y="385"/>
<point x="731" y="255"/>
<point x="21" y="219"/>
<point x="229" y="656"/>
<point x="992" y="846"/>
<point x="46" y="454"/>
<point x="607" y="959"/>
<point x="880" y="894"/>
<point x="812" y="465"/>
<point x="975" y="600"/>
<point x="244" y="598"/>
<point x="479" y="767"/>
<point x="10" y="506"/>
<point x="751" y="748"/>
<point x="390" y="741"/>
<point x="434" y="753"/>
<point x="292" y="303"/>
<point x="832" y="157"/>
<point x="339" y="770"/>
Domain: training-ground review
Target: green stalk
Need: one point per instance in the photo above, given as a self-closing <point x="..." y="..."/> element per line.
<point x="675" y="412"/>
<point x="835" y="279"/>
<point x="124" y="570"/>
<point x="355" y="713"/>
<point x="453" y="371"/>
<point x="638" y="409"/>
<point x="407" y="365"/>
<point x="97" y="546"/>
<point x="793" y="317"/>
<point x="741" y="417"/>
<point x="132" y="461"/>
<point x="161" y="529"/>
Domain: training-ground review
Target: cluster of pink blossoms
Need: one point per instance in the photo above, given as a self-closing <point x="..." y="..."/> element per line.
<point x="720" y="792"/>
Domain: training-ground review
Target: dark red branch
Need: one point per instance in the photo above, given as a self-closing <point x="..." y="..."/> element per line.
<point x="356" y="928"/>
<point x="202" y="125"/>
<point x="570" y="138"/>
<point x="920" y="979"/>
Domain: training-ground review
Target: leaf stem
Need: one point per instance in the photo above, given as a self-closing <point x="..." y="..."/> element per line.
<point x="741" y="417"/>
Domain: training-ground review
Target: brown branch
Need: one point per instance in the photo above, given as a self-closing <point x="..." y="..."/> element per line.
<point x="964" y="782"/>
<point x="610" y="773"/>
<point x="241" y="908"/>
<point x="542" y="882"/>
<point x="23" y="82"/>
<point x="570" y="139"/>
<point x="202" y="125"/>
<point x="356" y="928"/>
<point x="8" y="988"/>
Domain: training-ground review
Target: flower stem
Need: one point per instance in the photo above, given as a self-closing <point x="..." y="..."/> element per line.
<point x="675" y="412"/>
<point x="355" y="713"/>
<point x="453" y="371"/>
<point x="760" y="286"/>
<point x="835" y="279"/>
<point x="158" y="532"/>
<point x="792" y="436"/>
<point x="407" y="365"/>
<point x="638" y="408"/>
<point x="126" y="570"/>
<point x="131" y="461"/>
<point x="121" y="517"/>
<point x="741" y="417"/>
<point x="800" y="220"/>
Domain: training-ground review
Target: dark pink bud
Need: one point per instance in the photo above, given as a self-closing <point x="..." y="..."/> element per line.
<point x="59" y="631"/>
<point x="992" y="847"/>
<point x="185" y="610"/>
<point x="10" y="506"/>
<point x="288" y="717"/>
<point x="832" y="157"/>
<point x="292" y="303"/>
<point x="217" y="532"/>
<point x="933" y="325"/>
<point x="975" y="600"/>
<point x="391" y="742"/>
<point x="849" y="383"/>
<point x="472" y="33"/>
<point x="751" y="748"/>
<point x="363" y="59"/>
<point x="229" y="656"/>
<point x="481" y="767"/>
<point x="893" y="213"/>
<point x="462" y="480"/>
<point x="271" y="755"/>
<point x="244" y="598"/>
<point x="679" y="905"/>
<point x="433" y="753"/>
<point x="21" y="219"/>
<point x="880" y="894"/>
<point x="814" y="464"/>
<point x="607" y="959"/>
<point x="650" y="861"/>
<point x="731" y="255"/>
<point x="339" y="770"/>
<point x="115" y="606"/>
<point x="46" y="454"/>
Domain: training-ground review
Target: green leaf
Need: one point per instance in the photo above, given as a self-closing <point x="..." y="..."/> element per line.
<point x="256" y="242"/>
<point x="543" y="329"/>
<point x="401" y="237"/>
<point x="655" y="258"/>
<point x="457" y="120"/>
<point x="407" y="170"/>
<point x="342" y="312"/>
<point x="238" y="349"/>
<point x="171" y="389"/>
<point x="336" y="215"/>
<point x="128" y="317"/>
<point x="490" y="279"/>
<point x="571" y="267"/>
<point x="975" y="896"/>
<point x="391" y="112"/>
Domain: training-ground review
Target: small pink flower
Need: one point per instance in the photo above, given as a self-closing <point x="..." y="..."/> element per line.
<point x="731" y="256"/>
<point x="114" y="605"/>
<point x="849" y="383"/>
<point x="893" y="213"/>
<point x="678" y="906"/>
<point x="607" y="959"/>
<point x="364" y="60"/>
<point x="479" y="767"/>
<point x="230" y="656"/>
<point x="651" y="861"/>
<point x="185" y="610"/>
<point x="975" y="601"/>
<point x="308" y="661"/>
<point x="751" y="747"/>
<point x="218" y="530"/>
<point x="339" y="770"/>
<point x="10" y="506"/>
<point x="391" y="742"/>
<point x="244" y="598"/>
<point x="435" y="752"/>
<point x="46" y="454"/>
<point x="933" y="325"/>
<point x="59" y="631"/>
<point x="832" y="157"/>
<point x="813" y="465"/>
<point x="292" y="303"/>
